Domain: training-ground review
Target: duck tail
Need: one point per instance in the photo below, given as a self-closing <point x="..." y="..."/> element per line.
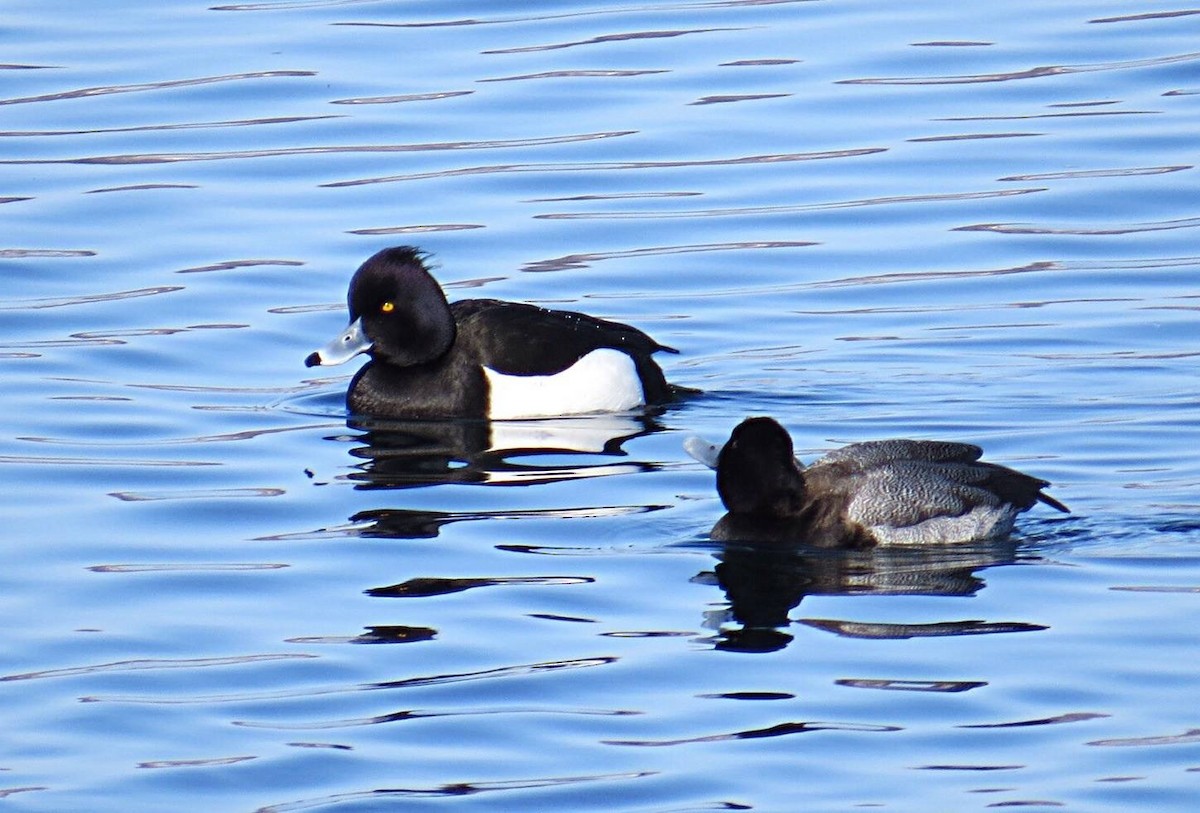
<point x="1053" y="503"/>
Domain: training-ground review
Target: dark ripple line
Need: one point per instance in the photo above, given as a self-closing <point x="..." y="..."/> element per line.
<point x="803" y="207"/>
<point x="744" y="97"/>
<point x="408" y="97"/>
<point x="1192" y="735"/>
<point x="896" y="685"/>
<point x="62" y="302"/>
<point x="145" y="128"/>
<point x="1104" y="231"/>
<point x="189" y="567"/>
<point x="198" y="494"/>
<point x="969" y="137"/>
<point x="1034" y="267"/>
<point x="225" y="437"/>
<point x="195" y="763"/>
<point x="429" y="586"/>
<point x="147" y="664"/>
<point x="575" y="74"/>
<point x="606" y="38"/>
<point x="279" y="5"/>
<point x="170" y="158"/>
<point x="56" y="253"/>
<point x="1073" y="114"/>
<point x="780" y="730"/>
<point x="104" y="90"/>
<point x="521" y="670"/>
<point x="448" y="790"/>
<point x="88" y="462"/>
<point x="1096" y="173"/>
<point x="1029" y="73"/>
<point x="576" y="261"/>
<point x="1071" y="717"/>
<point x="615" y="165"/>
<point x="230" y="265"/>
<point x="618" y="10"/>
<point x="417" y="714"/>
<point x="141" y="187"/>
<point x="1151" y="15"/>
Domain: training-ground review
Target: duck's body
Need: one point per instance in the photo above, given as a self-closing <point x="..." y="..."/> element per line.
<point x="483" y="358"/>
<point x="889" y="492"/>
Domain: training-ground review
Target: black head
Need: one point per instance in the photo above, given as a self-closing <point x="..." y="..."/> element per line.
<point x="403" y="310"/>
<point x="756" y="472"/>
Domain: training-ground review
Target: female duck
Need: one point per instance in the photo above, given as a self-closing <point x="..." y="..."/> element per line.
<point x="482" y="358"/>
<point x="887" y="492"/>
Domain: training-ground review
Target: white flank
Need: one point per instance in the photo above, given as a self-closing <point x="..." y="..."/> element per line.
<point x="602" y="381"/>
<point x="979" y="524"/>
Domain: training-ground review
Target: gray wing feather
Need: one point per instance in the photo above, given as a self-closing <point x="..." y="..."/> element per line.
<point x="905" y="493"/>
<point x="861" y="456"/>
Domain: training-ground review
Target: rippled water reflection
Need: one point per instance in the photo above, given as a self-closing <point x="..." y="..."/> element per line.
<point x="869" y="221"/>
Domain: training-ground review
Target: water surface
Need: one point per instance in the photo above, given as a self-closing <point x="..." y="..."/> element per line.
<point x="869" y="221"/>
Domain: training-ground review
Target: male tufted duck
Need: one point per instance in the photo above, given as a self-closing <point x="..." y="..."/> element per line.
<point x="482" y="358"/>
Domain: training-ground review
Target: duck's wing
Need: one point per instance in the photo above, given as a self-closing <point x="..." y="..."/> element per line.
<point x="519" y="339"/>
<point x="867" y="455"/>
<point x="910" y="492"/>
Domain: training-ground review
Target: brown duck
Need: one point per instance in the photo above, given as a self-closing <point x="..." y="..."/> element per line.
<point x="886" y="492"/>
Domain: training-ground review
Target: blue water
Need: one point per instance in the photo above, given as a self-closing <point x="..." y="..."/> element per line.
<point x="866" y="219"/>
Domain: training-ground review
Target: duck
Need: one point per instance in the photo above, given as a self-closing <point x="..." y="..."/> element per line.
<point x="482" y="358"/>
<point x="864" y="495"/>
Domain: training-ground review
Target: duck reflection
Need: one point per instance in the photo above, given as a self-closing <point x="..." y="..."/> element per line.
<point x="765" y="574"/>
<point x="407" y="454"/>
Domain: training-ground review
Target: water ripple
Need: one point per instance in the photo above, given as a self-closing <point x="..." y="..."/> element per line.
<point x="417" y="714"/>
<point x="229" y="265"/>
<point x="89" y="462"/>
<point x="450" y="790"/>
<point x="526" y="18"/>
<point x="150" y="664"/>
<point x="86" y="299"/>
<point x="200" y="494"/>
<point x="577" y="261"/>
<point x="408" y="97"/>
<point x="42" y="253"/>
<point x="189" y="567"/>
<point x="1149" y="15"/>
<point x="944" y="686"/>
<point x="520" y="670"/>
<point x="1097" y="173"/>
<point x="182" y="157"/>
<point x="786" y="209"/>
<point x="882" y="631"/>
<point x="427" y="586"/>
<point x="146" y="128"/>
<point x="780" y="730"/>
<point x="743" y="97"/>
<point x="1191" y="736"/>
<point x="1094" y="231"/>
<point x="601" y="166"/>
<point x="1029" y="73"/>
<point x="575" y="74"/>
<point x="105" y="90"/>
<point x="194" y="763"/>
<point x="606" y="38"/>
<point x="1071" y="717"/>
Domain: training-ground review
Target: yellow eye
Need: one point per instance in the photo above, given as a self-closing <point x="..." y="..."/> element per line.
<point x="387" y="307"/>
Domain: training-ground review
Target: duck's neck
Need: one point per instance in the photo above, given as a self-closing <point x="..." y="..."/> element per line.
<point x="770" y="492"/>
